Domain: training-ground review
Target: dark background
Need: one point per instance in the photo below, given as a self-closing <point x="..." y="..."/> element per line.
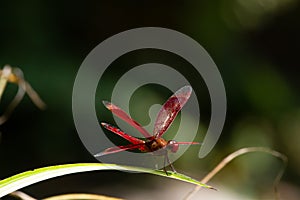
<point x="255" y="45"/>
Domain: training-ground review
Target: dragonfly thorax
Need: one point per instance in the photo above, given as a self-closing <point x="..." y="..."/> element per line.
<point x="156" y="144"/>
<point x="160" y="143"/>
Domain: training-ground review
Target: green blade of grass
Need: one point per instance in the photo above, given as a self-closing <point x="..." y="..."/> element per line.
<point x="24" y="179"/>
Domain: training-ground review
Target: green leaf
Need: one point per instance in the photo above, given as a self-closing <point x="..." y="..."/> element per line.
<point x="24" y="179"/>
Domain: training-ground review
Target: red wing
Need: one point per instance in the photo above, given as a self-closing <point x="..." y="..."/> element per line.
<point x="117" y="149"/>
<point x="122" y="115"/>
<point x="124" y="135"/>
<point x="170" y="109"/>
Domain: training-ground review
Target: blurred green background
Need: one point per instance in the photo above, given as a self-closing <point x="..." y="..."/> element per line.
<point x="255" y="45"/>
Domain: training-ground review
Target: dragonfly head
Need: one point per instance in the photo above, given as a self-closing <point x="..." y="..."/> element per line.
<point x="173" y="146"/>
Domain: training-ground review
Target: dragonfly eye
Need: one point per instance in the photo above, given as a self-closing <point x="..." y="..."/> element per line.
<point x="173" y="146"/>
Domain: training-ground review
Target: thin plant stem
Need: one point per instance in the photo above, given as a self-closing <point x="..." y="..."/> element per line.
<point x="33" y="95"/>
<point x="4" y="78"/>
<point x="11" y="107"/>
<point x="15" y="75"/>
<point x="81" y="196"/>
<point x="240" y="152"/>
<point x="36" y="99"/>
<point x="21" y="195"/>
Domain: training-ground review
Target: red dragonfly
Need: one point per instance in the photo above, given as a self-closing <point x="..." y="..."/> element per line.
<point x="155" y="142"/>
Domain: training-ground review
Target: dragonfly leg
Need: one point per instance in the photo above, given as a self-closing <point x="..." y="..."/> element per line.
<point x="167" y="161"/>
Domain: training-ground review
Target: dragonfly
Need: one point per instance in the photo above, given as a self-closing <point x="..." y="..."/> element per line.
<point x="152" y="142"/>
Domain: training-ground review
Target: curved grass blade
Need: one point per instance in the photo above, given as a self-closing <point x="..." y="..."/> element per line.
<point x="24" y="179"/>
<point x="81" y="197"/>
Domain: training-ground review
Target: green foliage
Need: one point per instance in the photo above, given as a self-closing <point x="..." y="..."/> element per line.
<point x="24" y="179"/>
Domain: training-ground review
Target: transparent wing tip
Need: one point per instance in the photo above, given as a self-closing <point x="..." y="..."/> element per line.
<point x="99" y="154"/>
<point x="185" y="89"/>
<point x="106" y="102"/>
<point x="103" y="124"/>
<point x="108" y="105"/>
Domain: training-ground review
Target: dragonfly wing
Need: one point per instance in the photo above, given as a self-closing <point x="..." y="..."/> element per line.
<point x="117" y="149"/>
<point x="122" y="115"/>
<point x="124" y="135"/>
<point x="188" y="143"/>
<point x="170" y="109"/>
